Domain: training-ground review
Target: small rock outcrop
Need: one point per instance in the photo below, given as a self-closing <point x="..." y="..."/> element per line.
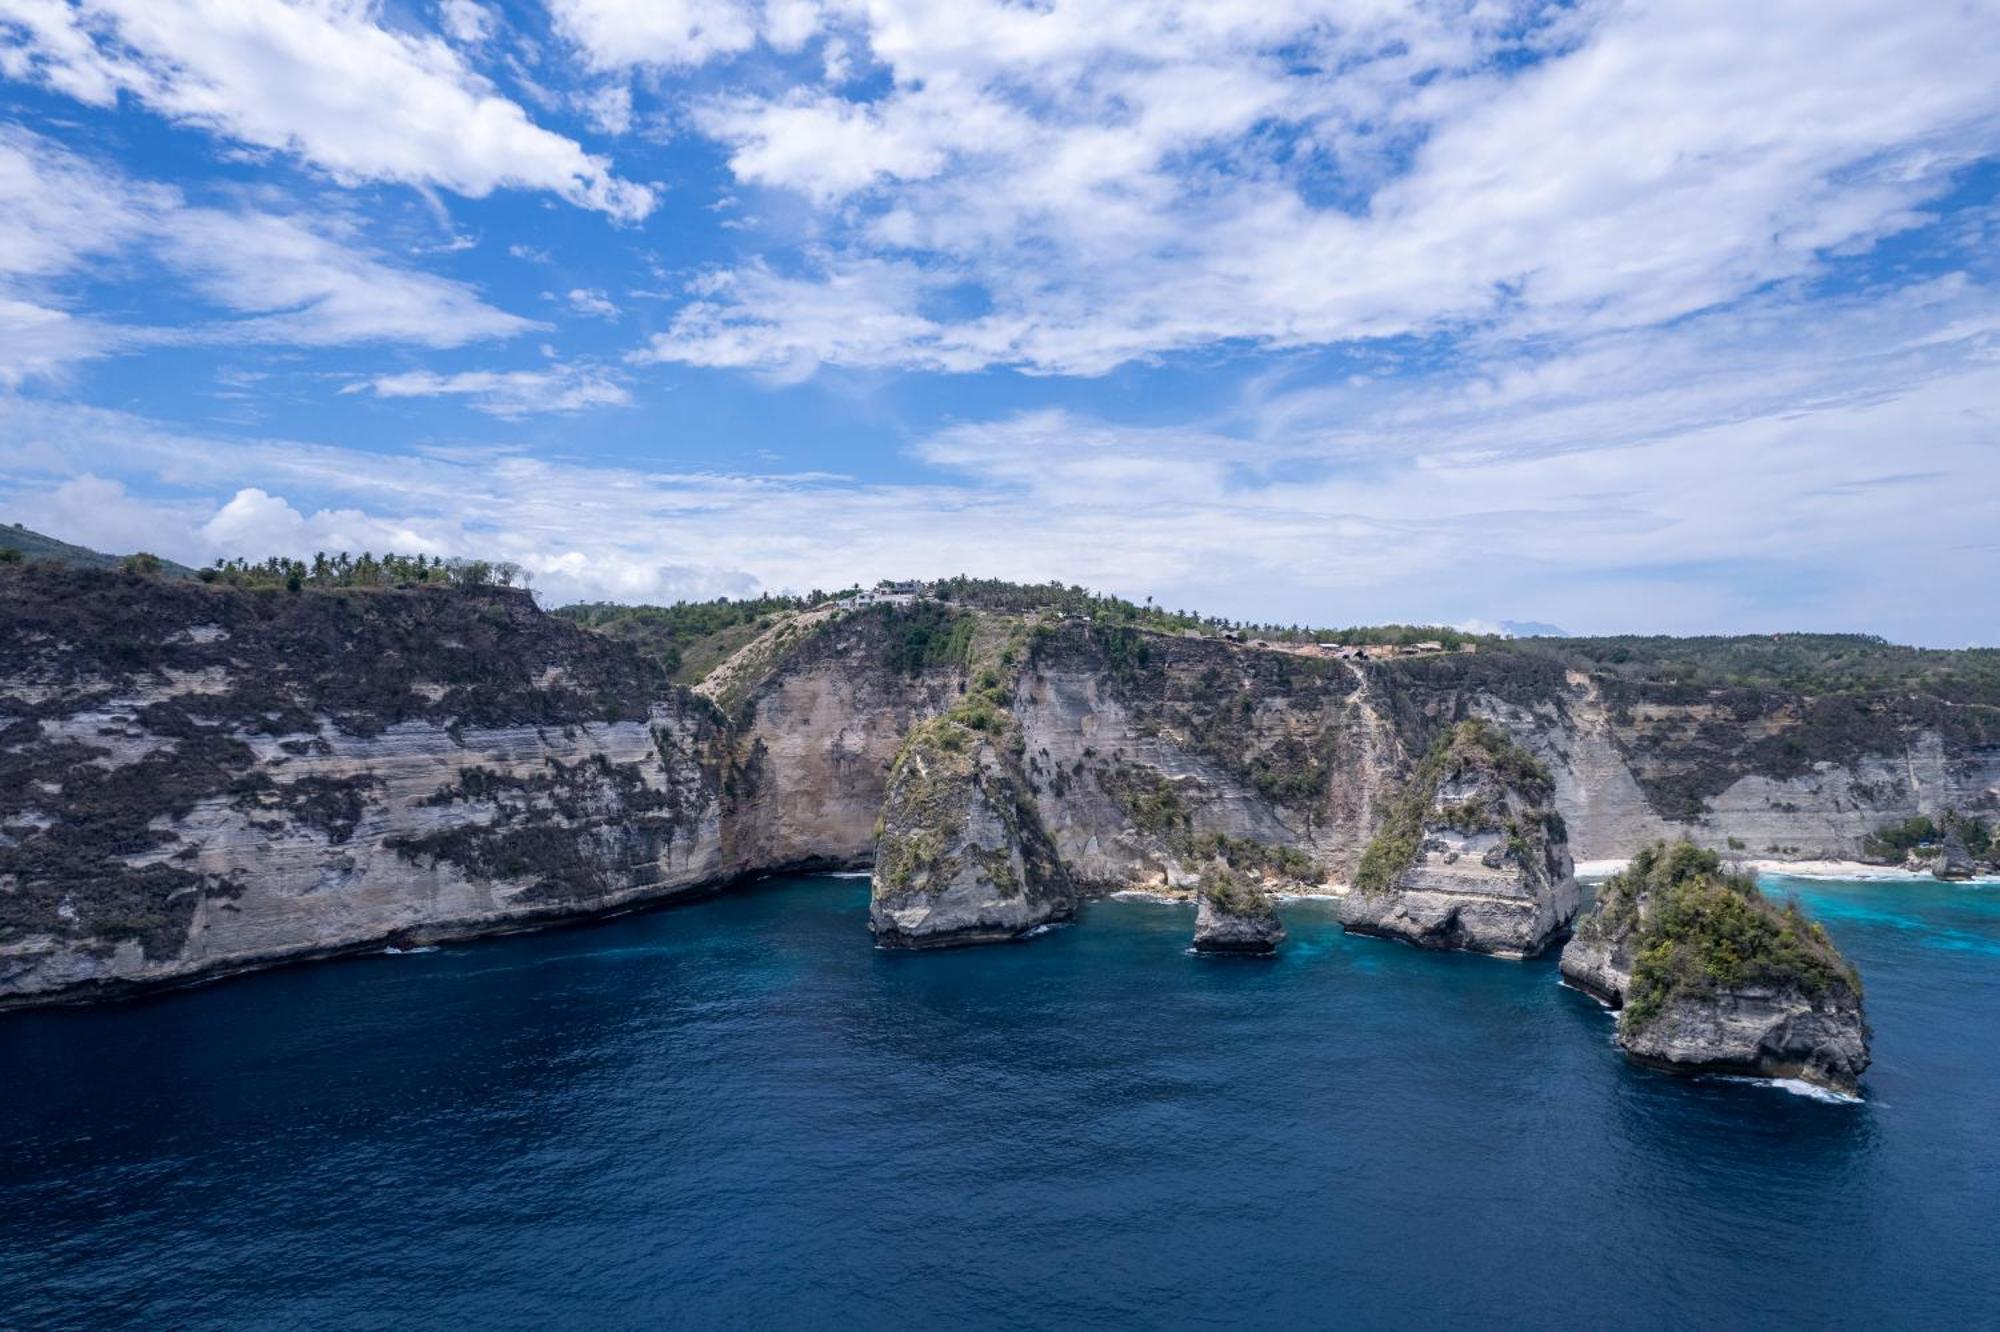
<point x="1954" y="861"/>
<point x="1709" y="976"/>
<point x="1233" y="914"/>
<point x="1473" y="854"/>
<point x="962" y="857"/>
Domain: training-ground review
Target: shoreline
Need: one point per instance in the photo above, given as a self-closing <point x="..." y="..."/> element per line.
<point x="1598" y="870"/>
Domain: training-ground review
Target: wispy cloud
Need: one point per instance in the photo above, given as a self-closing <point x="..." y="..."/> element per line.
<point x="1720" y="508"/>
<point x="274" y="278"/>
<point x="323" y="79"/>
<point x="1116" y="182"/>
<point x="508" y="394"/>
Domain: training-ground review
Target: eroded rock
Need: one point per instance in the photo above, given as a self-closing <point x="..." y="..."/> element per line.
<point x="1472" y="856"/>
<point x="1234" y="914"/>
<point x="1711" y="977"/>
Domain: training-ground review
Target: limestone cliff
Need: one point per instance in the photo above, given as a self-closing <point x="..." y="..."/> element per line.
<point x="196" y="779"/>
<point x="962" y="857"/>
<point x="1472" y="855"/>
<point x="1710" y="977"/>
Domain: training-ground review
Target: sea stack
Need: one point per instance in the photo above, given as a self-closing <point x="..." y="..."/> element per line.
<point x="1234" y="914"/>
<point x="962" y="857"/>
<point x="1709" y="976"/>
<point x="1954" y="860"/>
<point x="1473" y="854"/>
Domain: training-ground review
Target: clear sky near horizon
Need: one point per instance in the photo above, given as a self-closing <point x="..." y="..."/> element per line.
<point x="1671" y="317"/>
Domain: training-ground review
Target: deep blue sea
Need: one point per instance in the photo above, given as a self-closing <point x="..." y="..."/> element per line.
<point x="737" y="1113"/>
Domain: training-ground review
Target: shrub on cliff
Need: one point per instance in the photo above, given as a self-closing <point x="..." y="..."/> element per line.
<point x="1234" y="893"/>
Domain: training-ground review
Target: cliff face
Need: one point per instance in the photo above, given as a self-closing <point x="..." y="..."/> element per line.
<point x="1752" y="772"/>
<point x="1474" y="856"/>
<point x="962" y="857"/>
<point x="1710" y="977"/>
<point x="196" y="779"/>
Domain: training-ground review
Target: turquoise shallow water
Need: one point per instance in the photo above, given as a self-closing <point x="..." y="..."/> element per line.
<point x="737" y="1113"/>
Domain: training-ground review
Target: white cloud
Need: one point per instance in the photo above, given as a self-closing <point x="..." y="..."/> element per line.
<point x="322" y="79"/>
<point x="593" y="302"/>
<point x="312" y="289"/>
<point x="619" y="34"/>
<point x="1065" y="188"/>
<point x="465" y="21"/>
<point x="63" y="219"/>
<point x="509" y="393"/>
<point x="609" y="108"/>
<point x="1700" y="482"/>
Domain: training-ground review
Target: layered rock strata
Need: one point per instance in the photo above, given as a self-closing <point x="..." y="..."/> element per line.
<point x="1473" y="856"/>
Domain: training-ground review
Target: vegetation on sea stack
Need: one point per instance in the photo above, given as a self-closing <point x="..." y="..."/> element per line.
<point x="1234" y="893"/>
<point x="1702" y="929"/>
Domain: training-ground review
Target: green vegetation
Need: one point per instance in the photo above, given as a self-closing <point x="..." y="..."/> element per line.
<point x="1474" y="745"/>
<point x="688" y="638"/>
<point x="924" y="634"/>
<point x="19" y="545"/>
<point x="1701" y="929"/>
<point x="1894" y="841"/>
<point x="348" y="571"/>
<point x="1797" y="663"/>
<point x="1234" y="893"/>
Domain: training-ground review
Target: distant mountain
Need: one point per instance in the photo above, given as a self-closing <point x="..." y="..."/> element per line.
<point x="36" y="546"/>
<point x="1533" y="629"/>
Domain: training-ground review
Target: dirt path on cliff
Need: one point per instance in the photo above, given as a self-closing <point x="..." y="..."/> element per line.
<point x="1378" y="748"/>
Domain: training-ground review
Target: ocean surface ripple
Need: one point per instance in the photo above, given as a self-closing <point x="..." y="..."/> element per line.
<point x="738" y="1114"/>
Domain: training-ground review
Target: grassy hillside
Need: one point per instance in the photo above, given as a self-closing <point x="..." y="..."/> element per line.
<point x="33" y="545"/>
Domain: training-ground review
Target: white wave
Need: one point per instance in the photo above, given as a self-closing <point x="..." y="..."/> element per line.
<point x="393" y="951"/>
<point x="1812" y="1091"/>
<point x="849" y="874"/>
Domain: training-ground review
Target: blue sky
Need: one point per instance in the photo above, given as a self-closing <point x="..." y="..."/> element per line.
<point x="1627" y="317"/>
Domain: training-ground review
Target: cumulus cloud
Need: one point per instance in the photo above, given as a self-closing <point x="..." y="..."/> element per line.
<point x="1115" y="181"/>
<point x="321" y="79"/>
<point x="508" y="394"/>
<point x="617" y="34"/>
<point x="1744" y="487"/>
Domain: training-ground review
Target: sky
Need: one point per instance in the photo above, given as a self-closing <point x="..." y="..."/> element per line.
<point x="1627" y="317"/>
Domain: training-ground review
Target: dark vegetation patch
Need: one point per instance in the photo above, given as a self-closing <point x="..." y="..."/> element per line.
<point x="356" y="655"/>
<point x="1234" y="893"/>
<point x="675" y="636"/>
<point x="71" y="828"/>
<point x="1893" y="842"/>
<point x="1698" y="929"/>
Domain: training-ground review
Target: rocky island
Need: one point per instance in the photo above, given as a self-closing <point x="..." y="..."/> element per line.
<point x="1708" y="976"/>
<point x="1234" y="914"/>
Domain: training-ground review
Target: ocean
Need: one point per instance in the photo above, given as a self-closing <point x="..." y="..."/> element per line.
<point x="736" y="1113"/>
